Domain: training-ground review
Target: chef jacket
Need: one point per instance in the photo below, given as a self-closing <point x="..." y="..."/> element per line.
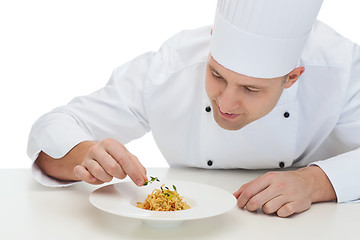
<point x="316" y="121"/>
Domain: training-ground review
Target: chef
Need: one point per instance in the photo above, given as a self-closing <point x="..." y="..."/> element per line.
<point x="266" y="86"/>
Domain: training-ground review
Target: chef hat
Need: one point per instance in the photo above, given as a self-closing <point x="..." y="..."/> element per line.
<point x="262" y="38"/>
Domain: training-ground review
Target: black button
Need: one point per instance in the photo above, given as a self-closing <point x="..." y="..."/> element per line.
<point x="281" y="164"/>
<point x="208" y="109"/>
<point x="209" y="163"/>
<point x="286" y="114"/>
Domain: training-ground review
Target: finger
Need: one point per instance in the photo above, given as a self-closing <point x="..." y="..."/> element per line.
<point x="107" y="162"/>
<point x="84" y="175"/>
<point x="128" y="162"/>
<point x="96" y="170"/>
<point x="140" y="166"/>
<point x="293" y="207"/>
<point x="274" y="204"/>
<point x="287" y="209"/>
<point x="137" y="171"/>
<point x="261" y="198"/>
<point x="240" y="190"/>
<point x="251" y="190"/>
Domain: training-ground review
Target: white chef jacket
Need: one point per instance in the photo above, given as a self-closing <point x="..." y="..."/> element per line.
<point x="316" y="121"/>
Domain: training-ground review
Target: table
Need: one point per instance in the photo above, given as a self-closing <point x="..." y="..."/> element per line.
<point x="29" y="210"/>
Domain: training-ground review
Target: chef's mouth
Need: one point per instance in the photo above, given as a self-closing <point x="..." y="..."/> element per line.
<point x="229" y="116"/>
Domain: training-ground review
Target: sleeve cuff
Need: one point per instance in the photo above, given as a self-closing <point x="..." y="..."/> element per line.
<point x="343" y="173"/>
<point x="48" y="181"/>
<point x="55" y="141"/>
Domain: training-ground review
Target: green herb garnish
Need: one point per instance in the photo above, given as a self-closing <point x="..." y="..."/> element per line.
<point x="152" y="179"/>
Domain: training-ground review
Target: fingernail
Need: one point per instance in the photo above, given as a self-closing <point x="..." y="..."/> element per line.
<point x="139" y="182"/>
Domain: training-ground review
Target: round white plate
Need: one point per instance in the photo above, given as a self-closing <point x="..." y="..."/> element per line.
<point x="204" y="200"/>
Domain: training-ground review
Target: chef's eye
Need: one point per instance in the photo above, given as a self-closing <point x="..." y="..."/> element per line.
<point x="217" y="76"/>
<point x="251" y="90"/>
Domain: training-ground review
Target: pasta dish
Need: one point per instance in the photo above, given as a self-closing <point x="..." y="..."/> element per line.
<point x="163" y="199"/>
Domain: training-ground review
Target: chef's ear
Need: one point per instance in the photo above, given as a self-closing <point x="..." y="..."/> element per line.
<point x="293" y="76"/>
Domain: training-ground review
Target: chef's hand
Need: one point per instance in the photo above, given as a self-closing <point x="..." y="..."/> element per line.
<point x="286" y="193"/>
<point x="108" y="159"/>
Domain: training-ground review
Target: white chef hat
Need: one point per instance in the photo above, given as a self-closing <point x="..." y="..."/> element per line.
<point x="262" y="38"/>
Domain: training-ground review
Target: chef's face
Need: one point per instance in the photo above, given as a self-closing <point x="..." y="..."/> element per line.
<point x="238" y="100"/>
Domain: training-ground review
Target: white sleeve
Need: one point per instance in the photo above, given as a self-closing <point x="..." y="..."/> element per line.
<point x="115" y="111"/>
<point x="344" y="170"/>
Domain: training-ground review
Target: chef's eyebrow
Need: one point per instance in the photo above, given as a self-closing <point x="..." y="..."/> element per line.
<point x="220" y="76"/>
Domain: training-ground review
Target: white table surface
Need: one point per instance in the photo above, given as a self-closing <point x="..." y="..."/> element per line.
<point x="29" y="210"/>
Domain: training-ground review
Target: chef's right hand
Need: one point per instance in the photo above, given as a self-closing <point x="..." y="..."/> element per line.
<point x="108" y="159"/>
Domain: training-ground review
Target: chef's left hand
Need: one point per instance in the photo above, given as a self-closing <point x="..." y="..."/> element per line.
<point x="286" y="193"/>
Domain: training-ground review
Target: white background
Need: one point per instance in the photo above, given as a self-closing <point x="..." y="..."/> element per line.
<point x="52" y="51"/>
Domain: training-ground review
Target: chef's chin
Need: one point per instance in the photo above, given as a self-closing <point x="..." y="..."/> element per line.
<point x="229" y="124"/>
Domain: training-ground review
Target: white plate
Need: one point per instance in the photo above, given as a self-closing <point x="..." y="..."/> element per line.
<point x="204" y="200"/>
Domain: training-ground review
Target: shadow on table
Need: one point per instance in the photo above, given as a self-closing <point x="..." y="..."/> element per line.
<point x="127" y="228"/>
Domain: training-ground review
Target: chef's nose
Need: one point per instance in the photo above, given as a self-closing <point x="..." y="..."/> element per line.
<point x="229" y="100"/>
